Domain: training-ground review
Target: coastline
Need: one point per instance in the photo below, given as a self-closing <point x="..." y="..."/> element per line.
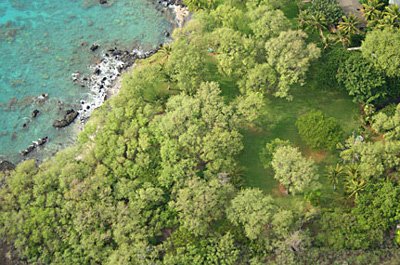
<point x="105" y="79"/>
<point x="105" y="82"/>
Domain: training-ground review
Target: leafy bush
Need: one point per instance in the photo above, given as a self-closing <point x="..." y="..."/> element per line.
<point x="319" y="131"/>
<point x="360" y="78"/>
<point x="327" y="67"/>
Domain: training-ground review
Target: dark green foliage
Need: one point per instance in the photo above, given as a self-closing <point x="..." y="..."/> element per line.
<point x="361" y="80"/>
<point x="340" y="229"/>
<point x="327" y="67"/>
<point x="379" y="206"/>
<point x="389" y="110"/>
<point x="319" y="131"/>
<point x="330" y="9"/>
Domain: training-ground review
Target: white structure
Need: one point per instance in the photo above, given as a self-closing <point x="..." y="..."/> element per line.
<point x="392" y="2"/>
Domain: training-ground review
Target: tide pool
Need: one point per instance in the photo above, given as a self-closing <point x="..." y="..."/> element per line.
<point x="42" y="43"/>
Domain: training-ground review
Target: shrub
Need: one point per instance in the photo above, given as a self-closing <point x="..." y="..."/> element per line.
<point x="319" y="131"/>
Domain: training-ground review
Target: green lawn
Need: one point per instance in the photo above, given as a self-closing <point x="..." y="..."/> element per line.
<point x="279" y="122"/>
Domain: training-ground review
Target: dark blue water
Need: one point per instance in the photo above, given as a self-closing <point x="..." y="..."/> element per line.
<point x="42" y="42"/>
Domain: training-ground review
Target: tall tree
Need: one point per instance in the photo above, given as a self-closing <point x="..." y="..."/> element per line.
<point x="293" y="170"/>
<point x="266" y="23"/>
<point x="186" y="65"/>
<point x="235" y="53"/>
<point x="361" y="79"/>
<point x="334" y="173"/>
<point x="348" y="25"/>
<point x="200" y="203"/>
<point x="196" y="133"/>
<point x="290" y="56"/>
<point x="381" y="48"/>
<point x="253" y="210"/>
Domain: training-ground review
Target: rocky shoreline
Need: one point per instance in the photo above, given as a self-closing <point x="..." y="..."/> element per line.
<point x="104" y="75"/>
<point x="104" y="81"/>
<point x="105" y="78"/>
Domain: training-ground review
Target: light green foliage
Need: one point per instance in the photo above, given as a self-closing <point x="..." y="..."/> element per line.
<point x="266" y="23"/>
<point x="290" y="56"/>
<point x="186" y="65"/>
<point x="390" y="125"/>
<point x="194" y="5"/>
<point x="375" y="158"/>
<point x="319" y="131"/>
<point x="330" y="9"/>
<point x="269" y="150"/>
<point x="253" y="210"/>
<point x="293" y="170"/>
<point x="222" y="250"/>
<point x="207" y="19"/>
<point x="360" y="79"/>
<point x="235" y="53"/>
<point x="215" y="249"/>
<point x="248" y="108"/>
<point x="348" y="25"/>
<point x="200" y="203"/>
<point x="196" y="133"/>
<point x="229" y="17"/>
<point x="381" y="48"/>
<point x="262" y="78"/>
<point x="272" y="4"/>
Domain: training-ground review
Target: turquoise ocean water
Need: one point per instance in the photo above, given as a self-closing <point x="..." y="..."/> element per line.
<point x="42" y="42"/>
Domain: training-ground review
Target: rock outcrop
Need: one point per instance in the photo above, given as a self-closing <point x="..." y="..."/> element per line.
<point x="6" y="165"/>
<point x="69" y="117"/>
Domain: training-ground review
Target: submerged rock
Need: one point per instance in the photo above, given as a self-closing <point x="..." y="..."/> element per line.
<point x="94" y="47"/>
<point x="69" y="117"/>
<point x="35" y="113"/>
<point x="39" y="142"/>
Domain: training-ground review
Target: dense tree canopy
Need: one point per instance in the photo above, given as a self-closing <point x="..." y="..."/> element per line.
<point x="381" y="48"/>
<point x="290" y="56"/>
<point x="158" y="175"/>
<point x="361" y="80"/>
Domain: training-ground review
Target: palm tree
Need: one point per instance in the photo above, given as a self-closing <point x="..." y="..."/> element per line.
<point x="343" y="39"/>
<point x="354" y="182"/>
<point x="302" y="19"/>
<point x="315" y="22"/>
<point x="165" y="51"/>
<point x="237" y="176"/>
<point x="333" y="173"/>
<point x="371" y="9"/>
<point x="385" y="22"/>
<point x="393" y="12"/>
<point x="348" y="25"/>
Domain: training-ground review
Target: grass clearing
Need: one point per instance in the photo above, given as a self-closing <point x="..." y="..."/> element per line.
<point x="280" y="122"/>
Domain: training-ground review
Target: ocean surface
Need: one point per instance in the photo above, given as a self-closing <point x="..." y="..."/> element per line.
<point x="42" y="42"/>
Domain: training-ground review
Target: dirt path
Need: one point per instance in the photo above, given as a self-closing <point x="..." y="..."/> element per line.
<point x="354" y="7"/>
